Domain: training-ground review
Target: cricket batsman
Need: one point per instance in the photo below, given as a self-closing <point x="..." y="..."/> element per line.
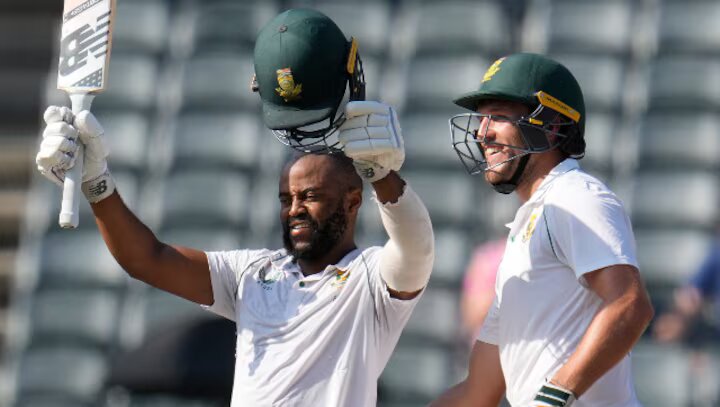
<point x="569" y="301"/>
<point x="317" y="319"/>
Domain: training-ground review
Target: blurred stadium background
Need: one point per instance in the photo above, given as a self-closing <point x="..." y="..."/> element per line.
<point x="193" y="160"/>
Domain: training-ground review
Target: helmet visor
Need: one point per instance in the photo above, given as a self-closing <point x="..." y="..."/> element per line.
<point x="469" y="138"/>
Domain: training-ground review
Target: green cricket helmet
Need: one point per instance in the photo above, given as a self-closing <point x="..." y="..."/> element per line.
<point x="555" y="100"/>
<point x="304" y="67"/>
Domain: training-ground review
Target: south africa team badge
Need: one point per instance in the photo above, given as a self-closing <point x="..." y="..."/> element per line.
<point x="341" y="277"/>
<point x="530" y="229"/>
<point x="287" y="89"/>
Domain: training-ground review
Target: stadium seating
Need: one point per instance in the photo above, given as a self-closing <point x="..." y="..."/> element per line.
<point x="86" y="317"/>
<point x="132" y="83"/>
<point x="427" y="142"/>
<point x="669" y="256"/>
<point x="685" y="82"/>
<point x="219" y="81"/>
<point x="141" y="26"/>
<point x="571" y="26"/>
<point x="217" y="139"/>
<point x="62" y="372"/>
<point x="683" y="139"/>
<point x="656" y="371"/>
<point x="430" y="366"/>
<point x="128" y="143"/>
<point x="454" y="26"/>
<point x="226" y="25"/>
<point x="659" y="195"/>
<point x="686" y="27"/>
<point x="435" y="319"/>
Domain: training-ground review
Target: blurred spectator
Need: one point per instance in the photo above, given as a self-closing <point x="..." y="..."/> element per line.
<point x="479" y="286"/>
<point x="682" y="322"/>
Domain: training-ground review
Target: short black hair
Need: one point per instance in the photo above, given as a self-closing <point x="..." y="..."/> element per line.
<point x="342" y="163"/>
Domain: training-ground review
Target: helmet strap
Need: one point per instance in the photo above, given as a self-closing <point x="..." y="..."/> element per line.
<point x="509" y="186"/>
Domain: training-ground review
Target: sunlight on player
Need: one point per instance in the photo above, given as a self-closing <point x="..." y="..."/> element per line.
<point x="317" y="320"/>
<point x="569" y="302"/>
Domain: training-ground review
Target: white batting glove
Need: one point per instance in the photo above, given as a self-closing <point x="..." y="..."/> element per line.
<point x="552" y="395"/>
<point x="60" y="144"/>
<point x="372" y="137"/>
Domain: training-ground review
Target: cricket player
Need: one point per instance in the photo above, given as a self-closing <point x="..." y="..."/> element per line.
<point x="318" y="319"/>
<point x="569" y="301"/>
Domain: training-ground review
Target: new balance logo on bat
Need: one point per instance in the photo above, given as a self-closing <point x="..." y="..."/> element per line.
<point x="84" y="40"/>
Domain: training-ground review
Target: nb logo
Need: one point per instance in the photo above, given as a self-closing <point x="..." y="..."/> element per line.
<point x="99" y="188"/>
<point x="75" y="46"/>
<point x="368" y="172"/>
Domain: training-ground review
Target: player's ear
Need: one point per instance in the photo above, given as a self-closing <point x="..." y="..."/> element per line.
<point x="353" y="200"/>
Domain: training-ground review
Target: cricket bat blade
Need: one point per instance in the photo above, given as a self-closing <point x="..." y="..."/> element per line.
<point x="85" y="44"/>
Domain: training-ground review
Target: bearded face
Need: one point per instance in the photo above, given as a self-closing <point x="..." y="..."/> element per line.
<point x="307" y="238"/>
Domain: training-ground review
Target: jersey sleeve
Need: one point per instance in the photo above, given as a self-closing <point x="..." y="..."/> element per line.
<point x="225" y="273"/>
<point x="489" y="331"/>
<point x="589" y="228"/>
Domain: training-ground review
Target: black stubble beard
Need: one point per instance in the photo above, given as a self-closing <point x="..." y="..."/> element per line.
<point x="324" y="237"/>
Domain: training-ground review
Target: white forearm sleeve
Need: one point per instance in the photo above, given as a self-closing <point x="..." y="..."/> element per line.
<point x="407" y="258"/>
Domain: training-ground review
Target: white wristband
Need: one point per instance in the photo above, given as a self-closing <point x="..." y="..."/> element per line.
<point x="99" y="188"/>
<point x="552" y="395"/>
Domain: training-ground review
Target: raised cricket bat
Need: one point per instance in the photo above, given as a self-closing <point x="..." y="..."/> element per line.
<point x="82" y="73"/>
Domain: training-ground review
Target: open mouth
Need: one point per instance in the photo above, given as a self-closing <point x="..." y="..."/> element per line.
<point x="494" y="156"/>
<point x="298" y="228"/>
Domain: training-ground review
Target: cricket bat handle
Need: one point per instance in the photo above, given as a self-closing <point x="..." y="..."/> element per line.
<point x="70" y="205"/>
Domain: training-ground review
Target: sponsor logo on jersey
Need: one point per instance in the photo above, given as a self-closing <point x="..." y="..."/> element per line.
<point x="287" y="89"/>
<point x="268" y="279"/>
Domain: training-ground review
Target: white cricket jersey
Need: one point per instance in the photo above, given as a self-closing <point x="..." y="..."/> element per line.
<point x="320" y="340"/>
<point x="573" y="224"/>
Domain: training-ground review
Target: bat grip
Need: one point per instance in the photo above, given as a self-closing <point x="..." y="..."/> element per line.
<point x="70" y="205"/>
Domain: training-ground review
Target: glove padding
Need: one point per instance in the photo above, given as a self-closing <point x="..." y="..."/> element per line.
<point x="552" y="395"/>
<point x="372" y="137"/>
<point x="60" y="145"/>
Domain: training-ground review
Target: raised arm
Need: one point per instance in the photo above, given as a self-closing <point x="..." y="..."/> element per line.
<point x="407" y="258"/>
<point x="178" y="270"/>
<point x="372" y="137"/>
